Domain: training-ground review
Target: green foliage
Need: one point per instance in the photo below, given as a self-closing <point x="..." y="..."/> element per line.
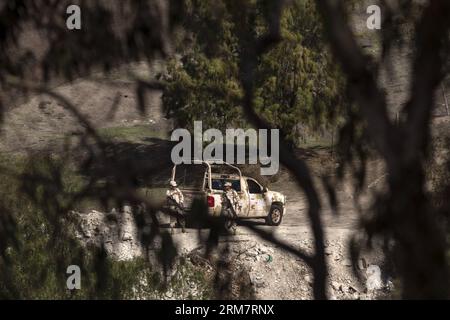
<point x="203" y="89"/>
<point x="38" y="242"/>
<point x="297" y="86"/>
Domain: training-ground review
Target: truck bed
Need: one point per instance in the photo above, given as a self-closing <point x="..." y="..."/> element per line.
<point x="190" y="195"/>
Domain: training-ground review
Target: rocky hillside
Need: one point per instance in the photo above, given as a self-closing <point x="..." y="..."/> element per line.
<point x="270" y="273"/>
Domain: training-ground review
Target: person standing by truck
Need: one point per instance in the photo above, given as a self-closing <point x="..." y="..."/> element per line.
<point x="175" y="200"/>
<point x="230" y="206"/>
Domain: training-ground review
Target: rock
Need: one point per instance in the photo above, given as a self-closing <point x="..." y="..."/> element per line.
<point x="116" y="231"/>
<point x="335" y="285"/>
<point x="389" y="285"/>
<point x="127" y="236"/>
<point x="251" y="253"/>
<point x="351" y="290"/>
<point x="362" y="264"/>
<point x="373" y="281"/>
<point x="257" y="280"/>
<point x="363" y="296"/>
<point x="355" y="296"/>
<point x="347" y="262"/>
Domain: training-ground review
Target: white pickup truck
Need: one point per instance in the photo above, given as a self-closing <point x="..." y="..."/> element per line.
<point x="205" y="180"/>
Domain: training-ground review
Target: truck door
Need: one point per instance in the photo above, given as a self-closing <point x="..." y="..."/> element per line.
<point x="257" y="201"/>
<point x="243" y="198"/>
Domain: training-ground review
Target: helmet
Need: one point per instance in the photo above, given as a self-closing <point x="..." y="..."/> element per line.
<point x="227" y="184"/>
<point x="173" y="183"/>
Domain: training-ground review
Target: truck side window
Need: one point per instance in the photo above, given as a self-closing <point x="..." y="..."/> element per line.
<point x="236" y="185"/>
<point x="217" y="184"/>
<point x="253" y="187"/>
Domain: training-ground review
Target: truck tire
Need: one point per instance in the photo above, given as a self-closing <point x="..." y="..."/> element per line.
<point x="275" y="215"/>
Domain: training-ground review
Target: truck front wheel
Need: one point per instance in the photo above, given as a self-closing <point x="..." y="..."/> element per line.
<point x="275" y="215"/>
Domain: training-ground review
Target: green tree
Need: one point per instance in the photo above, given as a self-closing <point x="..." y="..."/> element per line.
<point x="297" y="84"/>
<point x="38" y="240"/>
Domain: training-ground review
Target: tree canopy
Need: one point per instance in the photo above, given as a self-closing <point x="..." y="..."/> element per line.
<point x="297" y="85"/>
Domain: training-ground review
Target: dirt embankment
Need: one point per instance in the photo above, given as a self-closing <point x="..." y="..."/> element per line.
<point x="43" y="122"/>
<point x="265" y="270"/>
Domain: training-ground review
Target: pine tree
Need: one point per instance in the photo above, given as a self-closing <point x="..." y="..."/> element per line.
<point x="297" y="85"/>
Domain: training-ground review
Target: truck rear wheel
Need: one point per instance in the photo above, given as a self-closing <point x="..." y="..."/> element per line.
<point x="275" y="215"/>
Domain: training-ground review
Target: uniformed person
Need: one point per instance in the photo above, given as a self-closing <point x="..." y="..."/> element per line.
<point x="175" y="200"/>
<point x="230" y="205"/>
